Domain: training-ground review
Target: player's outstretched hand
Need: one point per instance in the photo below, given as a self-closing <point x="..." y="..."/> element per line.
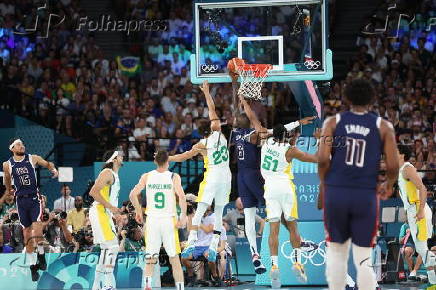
<point x="181" y="223"/>
<point x="307" y="120"/>
<point x="233" y="75"/>
<point x="55" y="173"/>
<point x="139" y="217"/>
<point x="205" y="87"/>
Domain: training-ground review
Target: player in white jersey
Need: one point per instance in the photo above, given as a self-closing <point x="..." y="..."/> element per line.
<point x="419" y="215"/>
<point x="216" y="184"/>
<point x="161" y="225"/>
<point x="280" y="195"/>
<point x="105" y="193"/>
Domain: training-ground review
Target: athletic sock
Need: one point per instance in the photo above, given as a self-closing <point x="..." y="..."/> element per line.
<point x="431" y="277"/>
<point x="99" y="271"/>
<point x="40" y="249"/>
<point x="147" y="281"/>
<point x="31" y="258"/>
<point x="275" y="261"/>
<point x="180" y="286"/>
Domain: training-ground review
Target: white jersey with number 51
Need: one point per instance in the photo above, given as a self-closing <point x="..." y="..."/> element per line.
<point x="273" y="163"/>
<point x="161" y="198"/>
<point x="216" y="160"/>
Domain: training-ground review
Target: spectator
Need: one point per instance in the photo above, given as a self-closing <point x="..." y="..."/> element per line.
<point x="65" y="202"/>
<point x="235" y="219"/>
<point x="57" y="234"/>
<point x="76" y="217"/>
<point x="132" y="240"/>
<point x="408" y="249"/>
<point x="7" y="204"/>
<point x="205" y="233"/>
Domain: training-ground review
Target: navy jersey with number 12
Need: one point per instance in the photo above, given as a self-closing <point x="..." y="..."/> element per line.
<point x="356" y="151"/>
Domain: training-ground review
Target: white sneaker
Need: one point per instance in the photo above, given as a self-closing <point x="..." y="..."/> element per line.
<point x="275" y="277"/>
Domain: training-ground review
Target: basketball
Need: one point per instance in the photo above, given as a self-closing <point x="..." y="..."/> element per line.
<point x="233" y="63"/>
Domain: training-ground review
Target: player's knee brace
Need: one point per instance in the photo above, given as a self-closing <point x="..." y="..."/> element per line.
<point x="336" y="265"/>
<point x="201" y="209"/>
<point x="365" y="273"/>
<point x="428" y="257"/>
<point x="109" y="253"/>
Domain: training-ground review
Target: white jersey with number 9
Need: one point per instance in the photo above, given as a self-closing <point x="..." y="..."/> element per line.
<point x="161" y="199"/>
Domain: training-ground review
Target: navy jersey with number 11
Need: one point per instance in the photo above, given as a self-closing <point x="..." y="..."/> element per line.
<point x="356" y="151"/>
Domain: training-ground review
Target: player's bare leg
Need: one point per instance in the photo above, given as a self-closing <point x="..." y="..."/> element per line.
<point x="148" y="272"/>
<point x="273" y="242"/>
<point x="177" y="273"/>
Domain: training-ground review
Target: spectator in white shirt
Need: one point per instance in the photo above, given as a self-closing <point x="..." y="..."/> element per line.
<point x="191" y="108"/>
<point x="66" y="201"/>
<point x="176" y="64"/>
<point x="169" y="103"/>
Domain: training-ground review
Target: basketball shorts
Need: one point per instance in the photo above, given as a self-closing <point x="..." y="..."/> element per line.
<point x="103" y="228"/>
<point x="161" y="230"/>
<point x="29" y="209"/>
<point x="250" y="187"/>
<point x="423" y="229"/>
<point x="215" y="187"/>
<point x="280" y="198"/>
<point x="351" y="213"/>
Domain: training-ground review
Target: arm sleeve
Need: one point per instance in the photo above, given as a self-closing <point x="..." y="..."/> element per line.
<point x="291" y="126"/>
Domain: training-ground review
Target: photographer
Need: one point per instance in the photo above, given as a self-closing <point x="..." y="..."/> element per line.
<point x="84" y="241"/>
<point x="134" y="241"/>
<point x="56" y="232"/>
<point x="13" y="232"/>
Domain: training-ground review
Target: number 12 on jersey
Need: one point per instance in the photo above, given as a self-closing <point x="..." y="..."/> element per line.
<point x="355" y="152"/>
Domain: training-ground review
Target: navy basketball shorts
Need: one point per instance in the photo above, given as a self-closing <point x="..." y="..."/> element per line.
<point x="351" y="213"/>
<point x="29" y="210"/>
<point x="250" y="187"/>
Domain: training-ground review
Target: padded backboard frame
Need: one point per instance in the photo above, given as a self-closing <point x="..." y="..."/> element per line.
<point x="290" y="72"/>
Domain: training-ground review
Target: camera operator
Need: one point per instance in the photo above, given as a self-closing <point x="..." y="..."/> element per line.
<point x="56" y="232"/>
<point x="132" y="240"/>
<point x="84" y="241"/>
<point x="6" y="203"/>
<point x="4" y="248"/>
<point x="13" y="232"/>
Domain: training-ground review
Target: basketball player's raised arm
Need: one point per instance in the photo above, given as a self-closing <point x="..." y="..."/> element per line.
<point x="324" y="155"/>
<point x="260" y="130"/>
<point x="215" y="123"/>
<point x="134" y="196"/>
<point x="7" y="179"/>
<point x="182" y="200"/>
<point x="291" y="126"/>
<point x="410" y="173"/>
<point x="38" y="160"/>
<point x="104" y="178"/>
<point x="196" y="149"/>
<point x="391" y="157"/>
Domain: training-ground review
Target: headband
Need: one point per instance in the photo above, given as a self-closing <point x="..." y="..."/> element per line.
<point x="15" y="143"/>
<point x="114" y="155"/>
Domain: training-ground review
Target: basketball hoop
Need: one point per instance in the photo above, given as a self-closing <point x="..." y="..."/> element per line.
<point x="252" y="77"/>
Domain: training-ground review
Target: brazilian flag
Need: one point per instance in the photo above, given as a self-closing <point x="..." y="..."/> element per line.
<point x="129" y="65"/>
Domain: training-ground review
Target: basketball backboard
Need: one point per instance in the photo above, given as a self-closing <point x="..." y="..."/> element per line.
<point x="291" y="35"/>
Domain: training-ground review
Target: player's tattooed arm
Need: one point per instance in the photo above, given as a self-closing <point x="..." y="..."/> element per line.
<point x="134" y="196"/>
<point x="196" y="149"/>
<point x="215" y="123"/>
<point x="38" y="160"/>
<point x="391" y="158"/>
<point x="104" y="178"/>
<point x="7" y="177"/>
<point x="182" y="200"/>
<point x="324" y="153"/>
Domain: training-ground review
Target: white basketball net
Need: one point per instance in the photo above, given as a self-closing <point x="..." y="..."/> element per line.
<point x="252" y="77"/>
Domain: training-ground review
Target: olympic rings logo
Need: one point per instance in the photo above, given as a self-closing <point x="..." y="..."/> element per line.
<point x="311" y="64"/>
<point x="316" y="257"/>
<point x="209" y="68"/>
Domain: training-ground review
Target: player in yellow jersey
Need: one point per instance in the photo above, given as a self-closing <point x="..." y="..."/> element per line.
<point x="280" y="195"/>
<point x="161" y="188"/>
<point x="419" y="215"/>
<point x="217" y="180"/>
<point x="105" y="193"/>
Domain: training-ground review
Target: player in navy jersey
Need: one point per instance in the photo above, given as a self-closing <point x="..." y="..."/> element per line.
<point x="20" y="179"/>
<point x="250" y="180"/>
<point x="349" y="161"/>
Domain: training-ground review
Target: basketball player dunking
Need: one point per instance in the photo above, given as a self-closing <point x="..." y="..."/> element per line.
<point x="216" y="184"/>
<point x="349" y="161"/>
<point x="249" y="178"/>
<point x="20" y="179"/>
